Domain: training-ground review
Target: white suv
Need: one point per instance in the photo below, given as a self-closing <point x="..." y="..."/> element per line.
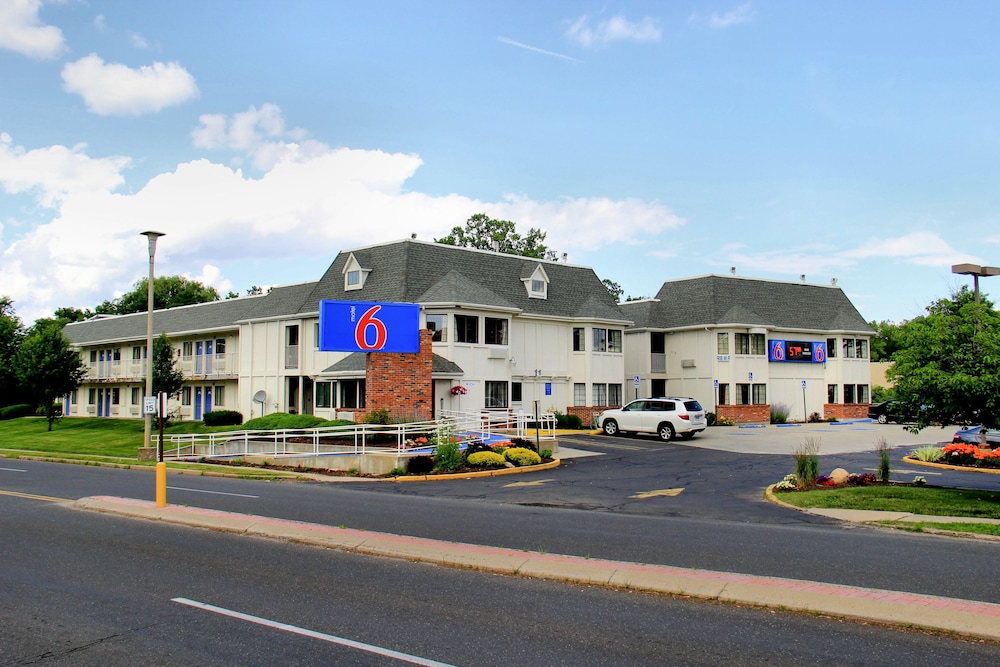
<point x="666" y="417"/>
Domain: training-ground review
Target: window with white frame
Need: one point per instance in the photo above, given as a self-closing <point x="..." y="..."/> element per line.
<point x="579" y="339"/>
<point x="438" y="323"/>
<point x="614" y="394"/>
<point x="496" y="394"/>
<point x="354" y="275"/>
<point x="186" y="396"/>
<point x="537" y="284"/>
<point x="831" y="348"/>
<point x="352" y="393"/>
<point x="600" y="338"/>
<point x="599" y="394"/>
<point x="136" y="396"/>
<point x="324" y="394"/>
<point x="579" y="394"/>
<point x="220" y="395"/>
<point x="722" y="343"/>
<point x="747" y="343"/>
<point x="466" y="329"/>
<point x="759" y="394"/>
<point x="495" y="330"/>
<point x="831" y="393"/>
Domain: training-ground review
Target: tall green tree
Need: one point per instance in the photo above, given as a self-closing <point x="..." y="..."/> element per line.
<point x="167" y="377"/>
<point x="485" y="233"/>
<point x="615" y="289"/>
<point x="11" y="336"/>
<point x="888" y="339"/>
<point x="948" y="367"/>
<point x="168" y="292"/>
<point x="46" y="366"/>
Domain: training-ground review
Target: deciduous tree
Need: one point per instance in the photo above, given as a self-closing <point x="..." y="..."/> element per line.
<point x="167" y="377"/>
<point x="11" y="335"/>
<point x="46" y="366"/>
<point x="485" y="233"/>
<point x="168" y="292"/>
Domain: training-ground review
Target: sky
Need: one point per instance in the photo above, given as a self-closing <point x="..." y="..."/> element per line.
<point x="849" y="141"/>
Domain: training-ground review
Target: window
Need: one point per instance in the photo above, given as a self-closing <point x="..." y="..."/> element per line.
<point x="118" y="352"/>
<point x="849" y="393"/>
<point x="614" y="395"/>
<point x="579" y="394"/>
<point x="91" y="396"/>
<point x="220" y="346"/>
<point x="220" y="395"/>
<point x="742" y="392"/>
<point x="863" y="396"/>
<point x="496" y="394"/>
<point x="614" y="340"/>
<point x="848" y="350"/>
<point x="515" y="392"/>
<point x="116" y="396"/>
<point x="354" y="275"/>
<point x="600" y="394"/>
<point x="93" y="356"/>
<point x="466" y="329"/>
<point x="750" y="344"/>
<point x="495" y="331"/>
<point x="136" y="396"/>
<point x="657" y="342"/>
<point x="831" y="349"/>
<point x="579" y="339"/>
<point x="658" y="387"/>
<point x="831" y="393"/>
<point x="538" y="286"/>
<point x="136" y="353"/>
<point x="861" y="349"/>
<point x="760" y="394"/>
<point x="600" y="340"/>
<point x="722" y="345"/>
<point x="438" y="323"/>
<point x="186" y="396"/>
<point x="352" y="393"/>
<point x="186" y="349"/>
<point x="324" y="394"/>
<point x="292" y="346"/>
<point x="316" y="336"/>
<point x="353" y="278"/>
<point x="723" y="398"/>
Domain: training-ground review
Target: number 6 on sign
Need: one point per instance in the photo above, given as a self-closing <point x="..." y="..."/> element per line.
<point x="368" y="320"/>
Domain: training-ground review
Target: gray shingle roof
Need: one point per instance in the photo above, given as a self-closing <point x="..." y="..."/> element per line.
<point x="727" y="300"/>
<point x="356" y="362"/>
<point x="412" y="271"/>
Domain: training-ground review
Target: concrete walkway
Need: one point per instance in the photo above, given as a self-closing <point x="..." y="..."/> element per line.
<point x="978" y="619"/>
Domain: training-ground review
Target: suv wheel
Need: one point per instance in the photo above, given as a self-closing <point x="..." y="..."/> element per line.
<point x="610" y="427"/>
<point x="666" y="431"/>
<point x="883" y="418"/>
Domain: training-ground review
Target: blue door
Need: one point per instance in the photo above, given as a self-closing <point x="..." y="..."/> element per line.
<point x="208" y="361"/>
<point x="199" y="349"/>
<point x="100" y="402"/>
<point x="208" y="398"/>
<point x="197" y="401"/>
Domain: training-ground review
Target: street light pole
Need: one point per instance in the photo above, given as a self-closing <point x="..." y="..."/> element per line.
<point x="976" y="272"/>
<point x="147" y="427"/>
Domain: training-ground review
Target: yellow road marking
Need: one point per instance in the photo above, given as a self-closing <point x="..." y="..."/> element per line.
<point x="537" y="482"/>
<point x="31" y="496"/>
<point x="661" y="492"/>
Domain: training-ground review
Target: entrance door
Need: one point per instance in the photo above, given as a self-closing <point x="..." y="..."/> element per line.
<point x="197" y="401"/>
<point x="208" y="396"/>
<point x="208" y="358"/>
<point x="199" y="349"/>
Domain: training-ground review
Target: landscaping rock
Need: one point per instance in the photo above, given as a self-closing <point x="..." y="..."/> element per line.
<point x="839" y="476"/>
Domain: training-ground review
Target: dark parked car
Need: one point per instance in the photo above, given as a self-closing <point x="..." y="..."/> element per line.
<point x="973" y="436"/>
<point x="887" y="411"/>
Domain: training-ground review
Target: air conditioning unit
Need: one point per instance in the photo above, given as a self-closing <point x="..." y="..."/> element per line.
<point x="687" y="363"/>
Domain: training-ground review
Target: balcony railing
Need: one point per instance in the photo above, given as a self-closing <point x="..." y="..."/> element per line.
<point x="209" y="365"/>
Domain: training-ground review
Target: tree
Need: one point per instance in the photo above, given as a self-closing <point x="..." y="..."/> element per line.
<point x="168" y="292"/>
<point x="888" y="339"/>
<point x="485" y="233"/>
<point x="166" y="376"/>
<point x="47" y="367"/>
<point x="948" y="367"/>
<point x="615" y="289"/>
<point x="11" y="336"/>
<point x="70" y="314"/>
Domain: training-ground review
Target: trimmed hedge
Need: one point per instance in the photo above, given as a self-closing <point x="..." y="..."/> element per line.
<point x="223" y="418"/>
<point x="520" y="456"/>
<point x="485" y="460"/>
<point x="15" y="411"/>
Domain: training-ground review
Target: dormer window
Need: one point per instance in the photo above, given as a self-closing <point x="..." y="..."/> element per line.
<point x="537" y="284"/>
<point x="354" y="275"/>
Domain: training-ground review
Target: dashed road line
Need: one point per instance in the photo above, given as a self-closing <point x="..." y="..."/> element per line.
<point x="669" y="493"/>
<point x="537" y="482"/>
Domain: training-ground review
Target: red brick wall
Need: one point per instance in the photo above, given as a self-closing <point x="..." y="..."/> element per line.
<point x="845" y="411"/>
<point x="745" y="414"/>
<point x="400" y="383"/>
<point x="585" y="413"/>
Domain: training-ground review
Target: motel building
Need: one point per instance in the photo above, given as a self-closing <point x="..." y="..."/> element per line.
<point x="496" y="332"/>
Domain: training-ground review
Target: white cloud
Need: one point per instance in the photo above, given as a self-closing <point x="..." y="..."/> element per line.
<point x="617" y="28"/>
<point x="22" y="31"/>
<point x="112" y="89"/>
<point x="255" y="132"/>
<point x="313" y="202"/>
<point x="742" y="14"/>
<point x="100" y="23"/>
<point x="55" y="172"/>
<point x="138" y="41"/>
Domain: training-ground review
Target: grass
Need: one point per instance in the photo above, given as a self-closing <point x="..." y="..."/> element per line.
<point x="912" y="499"/>
<point x="926" y="526"/>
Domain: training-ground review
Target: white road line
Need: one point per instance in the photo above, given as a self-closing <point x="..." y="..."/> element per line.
<point x="216" y="493"/>
<point x="405" y="657"/>
<point x="13" y="469"/>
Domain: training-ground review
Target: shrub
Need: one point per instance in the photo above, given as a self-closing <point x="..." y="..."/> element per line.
<point x="485" y="460"/>
<point x="806" y="458"/>
<point x="779" y="413"/>
<point x="523" y="444"/>
<point x="282" y="420"/>
<point x="379" y="416"/>
<point x="568" y="421"/>
<point x="814" y="418"/>
<point x="928" y="453"/>
<point x="884" y="450"/>
<point x="546" y="454"/>
<point x="396" y="472"/>
<point x="447" y="456"/>
<point x="420" y="465"/>
<point x="520" y="456"/>
<point x="15" y="411"/>
<point x="223" y="418"/>
<point x="710" y="418"/>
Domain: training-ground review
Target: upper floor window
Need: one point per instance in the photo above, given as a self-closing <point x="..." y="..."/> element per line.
<point x="438" y="323"/>
<point x="607" y="340"/>
<point x="831" y="350"/>
<point x="750" y="344"/>
<point x="579" y="339"/>
<point x="855" y="348"/>
<point x="466" y="329"/>
<point x="496" y="331"/>
<point x="354" y="275"/>
<point x="722" y="345"/>
<point x="537" y="283"/>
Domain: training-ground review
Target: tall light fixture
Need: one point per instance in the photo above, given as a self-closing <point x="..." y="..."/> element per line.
<point x="148" y="418"/>
<point x="975" y="271"/>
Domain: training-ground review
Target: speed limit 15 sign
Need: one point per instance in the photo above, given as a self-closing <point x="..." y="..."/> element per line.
<point x="353" y="326"/>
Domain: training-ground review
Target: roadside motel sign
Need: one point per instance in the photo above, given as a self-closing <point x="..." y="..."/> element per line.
<point x="355" y="326"/>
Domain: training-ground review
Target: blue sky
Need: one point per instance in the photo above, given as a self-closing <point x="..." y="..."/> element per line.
<point x="854" y="141"/>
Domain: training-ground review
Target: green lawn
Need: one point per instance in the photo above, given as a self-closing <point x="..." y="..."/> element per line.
<point x="912" y="499"/>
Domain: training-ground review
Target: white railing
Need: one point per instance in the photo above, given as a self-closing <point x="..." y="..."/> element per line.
<point x="513" y="422"/>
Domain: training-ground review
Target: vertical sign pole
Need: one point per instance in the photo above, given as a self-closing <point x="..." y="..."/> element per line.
<point x="805" y="410"/>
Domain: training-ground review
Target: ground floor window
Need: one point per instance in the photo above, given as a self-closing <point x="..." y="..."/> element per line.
<point x="220" y="396"/>
<point x="352" y="393"/>
<point x="723" y="398"/>
<point x="751" y="394"/>
<point x="742" y="394"/>
<point x="856" y="393"/>
<point x="831" y="393"/>
<point x="760" y="394"/>
<point x="614" y="395"/>
<point x="515" y="392"/>
<point x="136" y="396"/>
<point x="607" y="394"/>
<point x="324" y="394"/>
<point x="600" y="394"/>
<point x="659" y="388"/>
<point x="186" y="396"/>
<point x="579" y="394"/>
<point x="496" y="394"/>
<point x="91" y="396"/>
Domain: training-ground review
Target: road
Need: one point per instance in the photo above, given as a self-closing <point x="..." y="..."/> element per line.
<point x="84" y="589"/>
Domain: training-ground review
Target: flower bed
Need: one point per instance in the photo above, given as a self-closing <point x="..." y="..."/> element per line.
<point x="963" y="454"/>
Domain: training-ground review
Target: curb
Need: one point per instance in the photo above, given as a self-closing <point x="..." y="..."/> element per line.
<point x="948" y="466"/>
<point x="962" y="617"/>
<point x="499" y="472"/>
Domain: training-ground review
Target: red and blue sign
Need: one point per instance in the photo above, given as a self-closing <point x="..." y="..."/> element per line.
<point x="796" y="350"/>
<point x="352" y="326"/>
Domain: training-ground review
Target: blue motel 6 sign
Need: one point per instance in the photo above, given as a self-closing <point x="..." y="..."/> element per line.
<point x="352" y="326"/>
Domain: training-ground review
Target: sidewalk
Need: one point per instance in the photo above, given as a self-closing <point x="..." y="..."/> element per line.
<point x="977" y="619"/>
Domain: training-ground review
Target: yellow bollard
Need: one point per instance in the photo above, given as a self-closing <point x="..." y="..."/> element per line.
<point x="161" y="484"/>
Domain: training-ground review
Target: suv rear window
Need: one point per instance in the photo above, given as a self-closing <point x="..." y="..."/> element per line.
<point x="693" y="406"/>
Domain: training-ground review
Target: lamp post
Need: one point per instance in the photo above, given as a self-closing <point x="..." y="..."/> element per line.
<point x="147" y="427"/>
<point x="975" y="271"/>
